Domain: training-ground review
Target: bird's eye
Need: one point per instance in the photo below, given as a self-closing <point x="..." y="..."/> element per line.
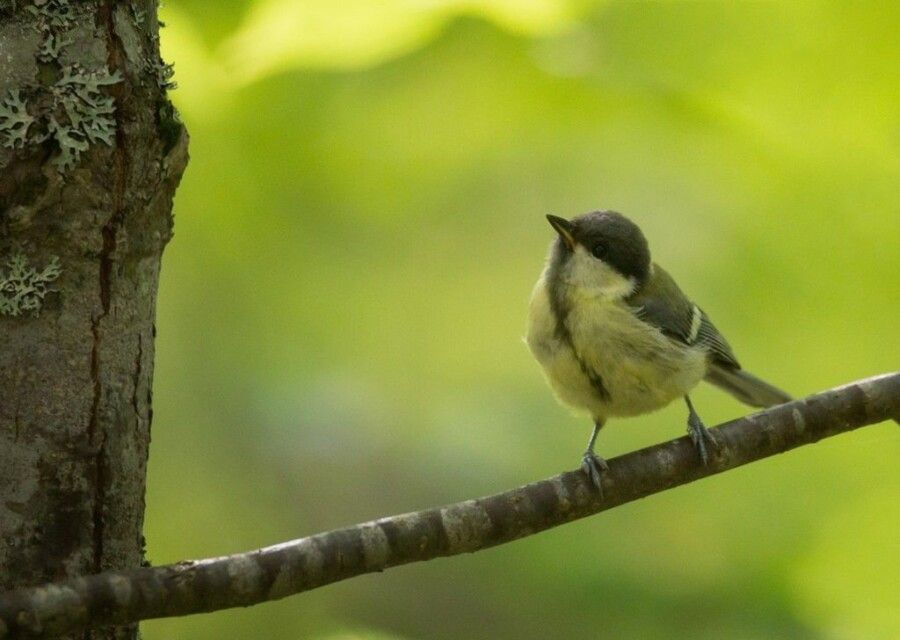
<point x="600" y="250"/>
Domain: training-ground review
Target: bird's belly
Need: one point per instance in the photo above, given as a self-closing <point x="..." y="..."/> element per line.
<point x="642" y="369"/>
<point x="571" y="384"/>
<point x="641" y="385"/>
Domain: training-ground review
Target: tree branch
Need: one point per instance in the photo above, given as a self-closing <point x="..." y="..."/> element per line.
<point x="121" y="597"/>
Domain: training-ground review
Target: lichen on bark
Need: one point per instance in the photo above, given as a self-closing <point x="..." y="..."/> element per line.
<point x="74" y="112"/>
<point x="24" y="287"/>
<point x="88" y="170"/>
<point x="67" y="103"/>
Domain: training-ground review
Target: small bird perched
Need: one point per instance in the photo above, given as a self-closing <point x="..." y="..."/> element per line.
<point x="617" y="337"/>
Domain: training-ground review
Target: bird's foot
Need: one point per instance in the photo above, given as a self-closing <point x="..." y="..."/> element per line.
<point x="593" y="465"/>
<point x="701" y="437"/>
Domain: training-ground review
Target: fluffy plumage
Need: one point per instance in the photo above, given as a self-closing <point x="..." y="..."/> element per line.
<point x="615" y="334"/>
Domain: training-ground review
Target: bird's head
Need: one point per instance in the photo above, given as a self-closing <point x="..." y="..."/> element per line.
<point x="601" y="252"/>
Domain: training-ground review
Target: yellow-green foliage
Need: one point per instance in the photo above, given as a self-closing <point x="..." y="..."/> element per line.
<point x="356" y="238"/>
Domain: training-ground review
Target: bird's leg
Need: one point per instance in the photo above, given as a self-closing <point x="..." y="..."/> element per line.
<point x="592" y="464"/>
<point x="698" y="432"/>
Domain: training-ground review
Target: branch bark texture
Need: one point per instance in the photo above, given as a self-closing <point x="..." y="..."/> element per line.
<point x="90" y="156"/>
<point x="271" y="573"/>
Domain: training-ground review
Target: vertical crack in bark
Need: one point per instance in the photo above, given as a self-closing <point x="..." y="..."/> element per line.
<point x="97" y="515"/>
<point x="136" y="378"/>
<point x="17" y="418"/>
<point x="149" y="397"/>
<point x="76" y="445"/>
<point x="109" y="233"/>
<point x="100" y="494"/>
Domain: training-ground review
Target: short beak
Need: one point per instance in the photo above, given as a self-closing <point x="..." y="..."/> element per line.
<point x="564" y="228"/>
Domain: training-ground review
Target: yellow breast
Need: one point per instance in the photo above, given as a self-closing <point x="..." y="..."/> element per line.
<point x="641" y="368"/>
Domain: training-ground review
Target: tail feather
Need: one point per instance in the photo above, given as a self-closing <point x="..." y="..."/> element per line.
<point x="746" y="387"/>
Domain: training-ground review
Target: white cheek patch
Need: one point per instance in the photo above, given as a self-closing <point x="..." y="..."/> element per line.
<point x="596" y="278"/>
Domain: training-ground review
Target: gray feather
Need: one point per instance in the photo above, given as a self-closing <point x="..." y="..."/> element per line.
<point x="746" y="387"/>
<point x="661" y="303"/>
<point x="719" y="350"/>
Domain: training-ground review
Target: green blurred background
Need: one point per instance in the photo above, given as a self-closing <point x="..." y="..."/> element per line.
<point x="341" y="311"/>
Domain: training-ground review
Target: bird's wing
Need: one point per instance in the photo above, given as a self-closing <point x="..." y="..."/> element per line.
<point x="662" y="304"/>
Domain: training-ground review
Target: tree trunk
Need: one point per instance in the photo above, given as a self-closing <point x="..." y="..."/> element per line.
<point x="91" y="153"/>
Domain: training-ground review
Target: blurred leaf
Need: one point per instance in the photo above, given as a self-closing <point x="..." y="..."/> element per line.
<point x="280" y="34"/>
<point x="846" y="584"/>
<point x="340" y="313"/>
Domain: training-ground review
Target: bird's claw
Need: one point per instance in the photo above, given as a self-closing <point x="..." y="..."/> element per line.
<point x="593" y="465"/>
<point x="701" y="437"/>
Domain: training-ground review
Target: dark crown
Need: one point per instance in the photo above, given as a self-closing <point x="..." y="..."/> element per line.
<point x="626" y="248"/>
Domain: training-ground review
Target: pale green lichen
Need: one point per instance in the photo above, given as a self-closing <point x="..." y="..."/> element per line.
<point x="74" y="111"/>
<point x="15" y="121"/>
<point x="82" y="113"/>
<point x="53" y="14"/>
<point x="77" y="114"/>
<point x="23" y="288"/>
<point x="139" y="14"/>
<point x="53" y="18"/>
<point x="163" y="71"/>
<point x="151" y="61"/>
<point x="52" y="46"/>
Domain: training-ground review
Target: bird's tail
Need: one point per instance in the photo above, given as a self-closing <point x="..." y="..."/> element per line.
<point x="746" y="387"/>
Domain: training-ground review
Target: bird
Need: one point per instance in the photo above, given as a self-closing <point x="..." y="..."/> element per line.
<point x="617" y="337"/>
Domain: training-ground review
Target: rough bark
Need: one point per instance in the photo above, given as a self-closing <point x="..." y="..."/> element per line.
<point x="90" y="155"/>
<point x="300" y="565"/>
